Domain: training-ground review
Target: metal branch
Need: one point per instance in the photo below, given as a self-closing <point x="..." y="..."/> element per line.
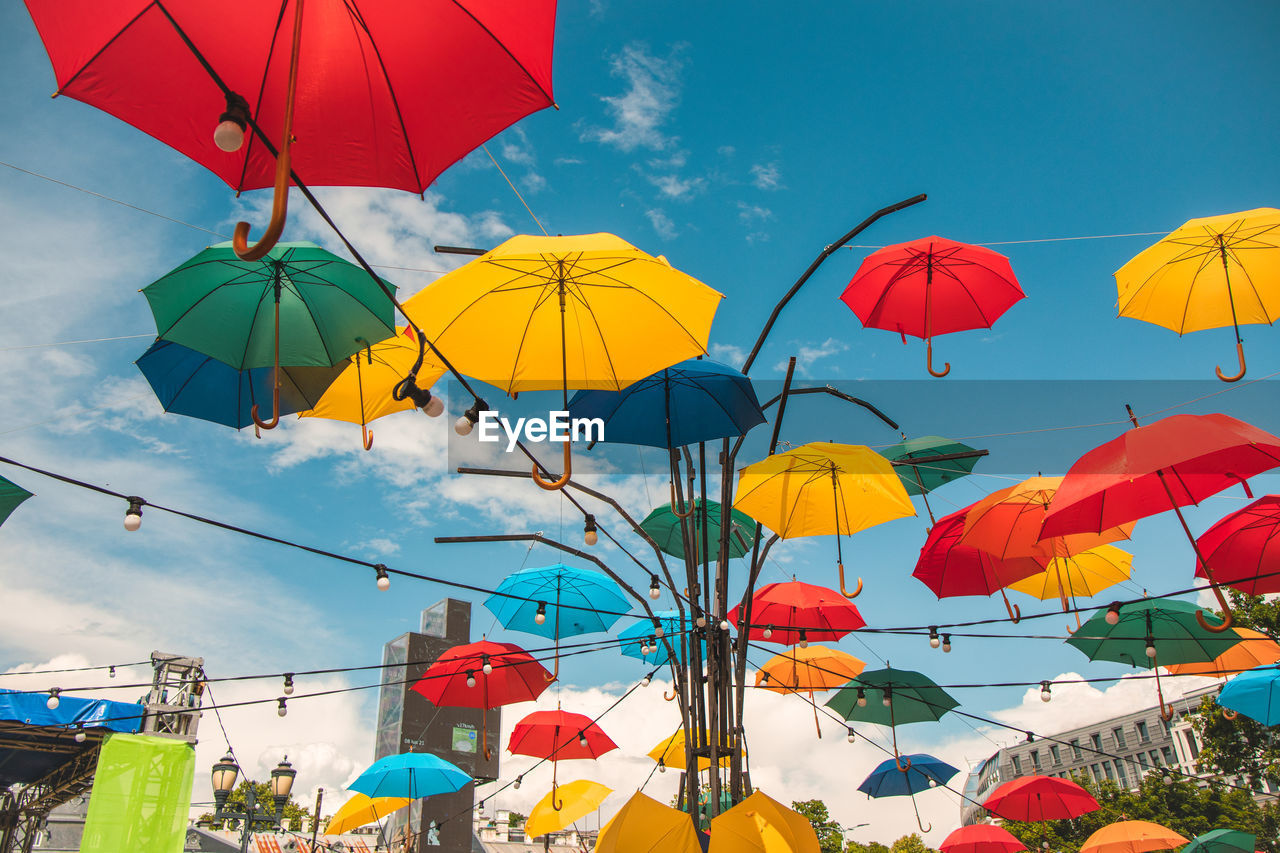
<point x="835" y="392"/>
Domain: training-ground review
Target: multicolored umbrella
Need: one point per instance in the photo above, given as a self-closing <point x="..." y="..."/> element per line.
<point x="1254" y="693"/>
<point x="794" y="613"/>
<point x="981" y="838"/>
<point x="1222" y="841"/>
<point x="1036" y="798"/>
<point x="823" y="489"/>
<point x="412" y="775"/>
<point x="1132" y="836"/>
<point x="761" y="824"/>
<point x="644" y="825"/>
<point x="361" y="810"/>
<point x="944" y="460"/>
<point x="558" y="736"/>
<point x="892" y="697"/>
<point x="1255" y="649"/>
<point x="1212" y="272"/>
<point x="664" y="526"/>
<point x="11" y="495"/>
<point x="578" y="799"/>
<point x="1244" y="548"/>
<point x="932" y="286"/>
<point x="808" y="670"/>
<point x="921" y="772"/>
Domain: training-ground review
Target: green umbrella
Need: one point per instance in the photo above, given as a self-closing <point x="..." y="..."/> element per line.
<point x="1222" y="841"/>
<point x="299" y="306"/>
<point x="11" y="494"/>
<point x="664" y="526"/>
<point x="912" y="697"/>
<point x="927" y="476"/>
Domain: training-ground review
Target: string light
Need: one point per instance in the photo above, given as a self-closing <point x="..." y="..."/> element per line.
<point x="934" y="642"/>
<point x="519" y="780"/>
<point x="53" y="701"/>
<point x="862" y="697"/>
<point x="644" y="682"/>
<point x="464" y="424"/>
<point x="283" y="708"/>
<point x="80" y="735"/>
<point x="662" y="766"/>
<point x="288" y="684"/>
<point x="590" y="536"/>
<point x="486" y="666"/>
<point x="946" y="643"/>
<point x="851" y="737"/>
<point x="804" y="640"/>
<point x="767" y="633"/>
<point x="541" y="616"/>
<point x="1045" y="693"/>
<point x="471" y="678"/>
<point x="1113" y="613"/>
<point x="133" y="515"/>
<point x="888" y="698"/>
<point x="655" y="591"/>
<point x="724" y="624"/>
<point x="111" y="672"/>
<point x="658" y="630"/>
<point x="582" y="739"/>
<point x="384" y="580"/>
<point x="1151" y="647"/>
<point x="701" y="621"/>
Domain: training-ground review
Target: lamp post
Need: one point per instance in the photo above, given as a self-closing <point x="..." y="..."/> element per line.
<point x="224" y="782"/>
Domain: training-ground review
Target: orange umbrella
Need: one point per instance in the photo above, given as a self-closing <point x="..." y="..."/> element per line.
<point x="1257" y="650"/>
<point x="810" y="669"/>
<point x="1132" y="836"/>
<point x="1007" y="524"/>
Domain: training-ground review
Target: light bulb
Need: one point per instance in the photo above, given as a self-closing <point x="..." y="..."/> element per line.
<point x="946" y="643"/>
<point x="53" y="702"/>
<point x="644" y="648"/>
<point x="886" y="701"/>
<point x="724" y="624"/>
<point x="582" y="741"/>
<point x="1151" y="648"/>
<point x="229" y="135"/>
<point x="288" y="684"/>
<point x="434" y="407"/>
<point x="662" y="767"/>
<point x="862" y="697"/>
<point x="589" y="530"/>
<point x="471" y="679"/>
<point x="80" y="736"/>
<point x="463" y="425"/>
<point x="488" y="667"/>
<point x="804" y="641"/>
<point x="934" y="642"/>
<point x="516" y="784"/>
<point x="540" y="617"/>
<point x="655" y="591"/>
<point x="1168" y="780"/>
<point x="111" y="672"/>
<point x="764" y="678"/>
<point x="644" y="682"/>
<point x="851" y="737"/>
<point x="701" y="621"/>
<point x="1113" y="613"/>
<point x="133" y="515"/>
<point x="590" y="537"/>
<point x="384" y="580"/>
<point x="283" y="709"/>
<point x="1045" y="694"/>
<point x="767" y="633"/>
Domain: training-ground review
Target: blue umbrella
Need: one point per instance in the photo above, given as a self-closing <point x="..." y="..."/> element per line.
<point x="193" y="384"/>
<point x="642" y="634"/>
<point x="925" y="772"/>
<point x="571" y="601"/>
<point x="695" y="400"/>
<point x="1254" y="693"/>
<point x="410" y="774"/>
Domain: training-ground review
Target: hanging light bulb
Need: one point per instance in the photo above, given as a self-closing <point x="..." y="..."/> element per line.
<point x="1151" y="647"/>
<point x="288" y="684"/>
<point x="229" y="134"/>
<point x="862" y="697"/>
<point x="1113" y="613"/>
<point x="804" y="640"/>
<point x="384" y="580"/>
<point x="52" y="702"/>
<point x="471" y="678"/>
<point x="1031" y="738"/>
<point x="469" y="418"/>
<point x="851" y="737"/>
<point x="80" y="736"/>
<point x="485" y="665"/>
<point x="582" y="739"/>
<point x="283" y="707"/>
<point x="644" y="682"/>
<point x="934" y="642"/>
<point x="516" y="784"/>
<point x="431" y="405"/>
<point x="887" y="700"/>
<point x="662" y="766"/>
<point x="111" y="672"/>
<point x="541" y="616"/>
<point x="1168" y="780"/>
<point x="133" y="515"/>
<point x="946" y="643"/>
<point x="701" y="621"/>
<point x="644" y="647"/>
<point x="764" y="679"/>
<point x="658" y="630"/>
<point x="589" y="534"/>
<point x="1046" y="694"/>
<point x="724" y="624"/>
<point x="767" y="633"/>
<point x="655" y="591"/>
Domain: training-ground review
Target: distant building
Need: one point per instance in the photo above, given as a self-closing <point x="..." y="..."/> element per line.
<point x="1122" y="749"/>
<point x="497" y="834"/>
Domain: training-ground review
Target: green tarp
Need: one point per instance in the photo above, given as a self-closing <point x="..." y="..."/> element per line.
<point x="141" y="796"/>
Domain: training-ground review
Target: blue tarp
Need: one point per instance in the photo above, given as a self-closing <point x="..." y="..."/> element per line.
<point x="38" y="740"/>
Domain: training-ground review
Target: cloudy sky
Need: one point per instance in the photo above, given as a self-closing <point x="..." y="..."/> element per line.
<point x="738" y="143"/>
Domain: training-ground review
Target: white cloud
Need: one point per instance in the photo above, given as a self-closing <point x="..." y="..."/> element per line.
<point x="569" y="161"/>
<point x="661" y="223"/>
<point x="1076" y="705"/>
<point x="640" y="112"/>
<point x="809" y="354"/>
<point x="730" y="354"/>
<point x="676" y="187"/>
<point x="533" y="183"/>
<point x="753" y="212"/>
<point x="766" y="176"/>
<point x="726" y="150"/>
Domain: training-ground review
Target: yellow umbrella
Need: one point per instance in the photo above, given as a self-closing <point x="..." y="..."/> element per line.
<point x="362" y="392"/>
<point x="578" y="799"/>
<point x="360" y="810"/>
<point x="1257" y="650"/>
<point x="760" y="824"/>
<point x="645" y="825"/>
<point x="810" y="669"/>
<point x="1210" y="273"/>
<point x="670" y="752"/>
<point x="1079" y="576"/>
<point x="544" y="313"/>
<point x="1132" y="836"/>
<point x="821" y="489"/>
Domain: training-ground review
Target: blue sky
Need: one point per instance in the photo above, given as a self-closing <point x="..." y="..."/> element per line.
<point x="733" y="139"/>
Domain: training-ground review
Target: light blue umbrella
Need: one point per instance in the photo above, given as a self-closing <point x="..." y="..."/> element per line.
<point x="642" y="634"/>
<point x="572" y="601"/>
<point x="1254" y="693"/>
<point x="410" y="774"/>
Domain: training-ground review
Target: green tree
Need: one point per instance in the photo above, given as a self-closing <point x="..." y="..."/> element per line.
<point x="830" y="833"/>
<point x="870" y="847"/>
<point x="912" y="843"/>
<point x="294" y="814"/>
<point x="515" y="819"/>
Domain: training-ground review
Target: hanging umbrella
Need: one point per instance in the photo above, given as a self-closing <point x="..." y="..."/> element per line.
<point x="1244" y="548"/>
<point x="1147" y="634"/>
<point x="558" y="735"/>
<point x="1165" y="465"/>
<point x="580" y="798"/>
<point x="413" y="775"/>
<point x="642" y="635"/>
<point x="761" y="824"/>
<point x="362" y="391"/>
<point x="1254" y="693"/>
<point x="11" y="495"/>
<point x="808" y="670"/>
<point x="361" y="810"/>
<point x="932" y="286"/>
<point x="1036" y="798"/>
<point x="644" y="825"/>
<point x="390" y="94"/>
<point x="1222" y="841"/>
<point x="1008" y="522"/>
<point x="1210" y="273"/>
<point x="892" y="779"/>
<point x="555" y="313"/>
<point x="483" y="675"/>
<point x="823" y="489"/>
<point x="1081" y="575"/>
<point x="300" y="306"/>
<point x="981" y="838"/>
<point x="794" y="613"/>
<point x="924" y="477"/>
<point x="191" y="383"/>
<point x="1255" y="649"/>
<point x="1132" y="836"/>
<point x="664" y="526"/>
<point x="891" y="697"/>
<point x="557" y="601"/>
<point x="669" y="752"/>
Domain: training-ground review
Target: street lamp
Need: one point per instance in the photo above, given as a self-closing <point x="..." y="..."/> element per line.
<point x="224" y="782"/>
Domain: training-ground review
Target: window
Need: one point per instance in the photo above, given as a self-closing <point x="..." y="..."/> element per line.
<point x="1121" y="775"/>
<point x="1075" y="749"/>
<point x="1097" y="774"/>
<point x="1017" y="766"/>
<point x="1142" y="760"/>
<point x="1192" y="743"/>
<point x="1155" y="758"/>
<point x="1118" y="734"/>
<point x="1096" y="740"/>
<point x="1106" y="768"/>
<point x="1056" y="753"/>
<point x="1144" y="736"/>
<point x="1035" y="759"/>
<point x="1169" y="758"/>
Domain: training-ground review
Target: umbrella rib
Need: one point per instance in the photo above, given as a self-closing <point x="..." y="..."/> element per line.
<point x="910" y="266"/>
<point x="1204" y="264"/>
<point x="507" y="50"/>
<point x="262" y="87"/>
<point x="524" y="334"/>
<point x="72" y="78"/>
<point x="1248" y="278"/>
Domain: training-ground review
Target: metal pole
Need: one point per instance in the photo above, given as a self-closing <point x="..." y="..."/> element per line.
<point x="315" y="820"/>
<point x="250" y="806"/>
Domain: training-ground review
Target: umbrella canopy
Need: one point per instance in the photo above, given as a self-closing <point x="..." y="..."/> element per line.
<point x="761" y="824"/>
<point x="1222" y="841"/>
<point x="361" y="810"/>
<point x="669" y="752"/>
<point x="952" y="569"/>
<point x="644" y="825"/>
<point x="410" y="774"/>
<point x="558" y="735"/>
<point x="808" y="670"/>
<point x="925" y="477"/>
<point x="932" y="286"/>
<point x="925" y="772"/>
<point x="1132" y="836"/>
<point x="187" y="382"/>
<point x="641" y="635"/>
<point x="1255" y="649"/>
<point x="1036" y="798"/>
<point x="913" y="698"/>
<point x="11" y="495"/>
<point x="1079" y="576"/>
<point x="792" y="612"/>
<point x="571" y="601"/>
<point x="1212" y="272"/>
<point x="981" y="838"/>
<point x="1150" y="633"/>
<point x="664" y="527"/>
<point x="695" y="400"/>
<point x="1007" y="523"/>
<point x="458" y="677"/>
<point x="577" y="799"/>
<point x="1255" y="693"/>
<point x="393" y="93"/>
<point x="1244" y="548"/>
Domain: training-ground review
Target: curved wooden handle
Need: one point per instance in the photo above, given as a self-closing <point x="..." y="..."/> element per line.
<point x="1238" y="376"/>
<point x="1229" y="714"/>
<point x="844" y="591"/>
<point x="1166" y="711"/>
<point x="897" y="759"/>
<point x="1227" y="617"/>
<point x="366" y="437"/>
<point x="1015" y="612"/>
<point x="556" y="485"/>
<point x="552" y="676"/>
<point x="677" y="513"/>
<point x="946" y="365"/>
<point x="670" y="698"/>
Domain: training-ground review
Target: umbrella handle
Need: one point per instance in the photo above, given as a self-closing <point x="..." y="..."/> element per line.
<point x="552" y="676"/>
<point x="677" y="513"/>
<point x="672" y="697"/>
<point x="275" y="384"/>
<point x="1229" y="714"/>
<point x="1237" y="377"/>
<point x="1015" y="612"/>
<point x="1227" y="617"/>
<point x="366" y="437"/>
<point x="845" y="592"/>
<point x="946" y="365"/>
<point x="556" y="485"/>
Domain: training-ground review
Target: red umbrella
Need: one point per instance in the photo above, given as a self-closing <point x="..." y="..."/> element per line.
<point x="383" y="93"/>
<point x="794" y="612"/>
<point x="981" y="838"/>
<point x="483" y="675"/>
<point x="1033" y="798"/>
<point x="558" y="735"/>
<point x="932" y="286"/>
<point x="1168" y="464"/>
<point x="1244" y="548"/>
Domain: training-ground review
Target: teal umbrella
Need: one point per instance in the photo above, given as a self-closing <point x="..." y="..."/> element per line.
<point x="299" y="306"/>
<point x="11" y="494"/>
<point x="663" y="525"/>
<point x="922" y="478"/>
<point x="1222" y="841"/>
<point x="891" y="697"/>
